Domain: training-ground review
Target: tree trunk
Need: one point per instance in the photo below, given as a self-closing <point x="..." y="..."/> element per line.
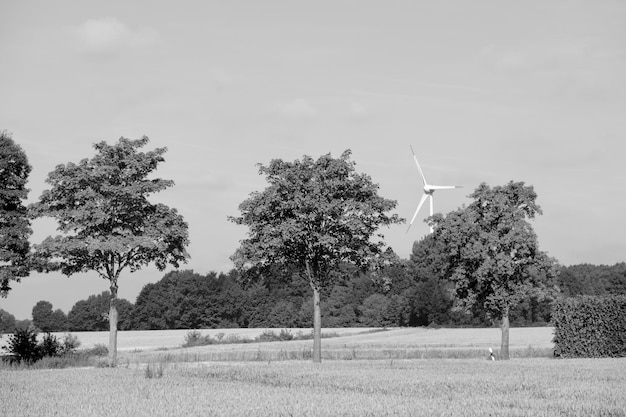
<point x="113" y="327"/>
<point x="317" y="327"/>
<point x="504" y="345"/>
<point x="317" y="315"/>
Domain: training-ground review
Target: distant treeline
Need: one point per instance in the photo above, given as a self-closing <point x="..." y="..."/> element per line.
<point x="401" y="295"/>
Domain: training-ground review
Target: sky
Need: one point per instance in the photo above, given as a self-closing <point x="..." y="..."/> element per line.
<point x="484" y="91"/>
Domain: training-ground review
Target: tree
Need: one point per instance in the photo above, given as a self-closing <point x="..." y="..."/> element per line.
<point x="108" y="224"/>
<point x="14" y="221"/>
<point x="92" y="314"/>
<point x="48" y="320"/>
<point x="340" y="307"/>
<point x="317" y="215"/>
<point x="430" y="296"/>
<point x="374" y="311"/>
<point x="7" y="322"/>
<point x="186" y="300"/>
<point x="588" y="279"/>
<point x="492" y="254"/>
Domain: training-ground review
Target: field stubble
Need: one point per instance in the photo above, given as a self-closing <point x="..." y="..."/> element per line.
<point x="468" y="387"/>
<point x="354" y="344"/>
<point x="251" y="381"/>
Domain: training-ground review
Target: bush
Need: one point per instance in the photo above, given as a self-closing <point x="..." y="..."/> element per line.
<point x="195" y="338"/>
<point x="590" y="327"/>
<point x="70" y="344"/>
<point x="50" y="346"/>
<point x="270" y="336"/>
<point x="99" y="349"/>
<point x="22" y="346"/>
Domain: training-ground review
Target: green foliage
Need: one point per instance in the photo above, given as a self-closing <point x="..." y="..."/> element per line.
<point x="590" y="327"/>
<point x="195" y="338"/>
<point x="102" y="208"/>
<point x="7" y="322"/>
<point x="490" y="251"/>
<point x="50" y="345"/>
<point x="23" y="346"/>
<point x="92" y="314"/>
<point x="47" y="320"/>
<point x="186" y="300"/>
<point x="98" y="349"/>
<point x="14" y="218"/>
<point x="69" y="344"/>
<point x="316" y="214"/>
<point x="271" y="336"/>
<point x="585" y="279"/>
<point x="374" y="311"/>
<point x="107" y="222"/>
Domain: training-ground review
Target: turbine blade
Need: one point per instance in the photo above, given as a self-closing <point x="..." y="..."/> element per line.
<point x="432" y="199"/>
<point x="419" y="206"/>
<point x="418" y="166"/>
<point x="443" y="187"/>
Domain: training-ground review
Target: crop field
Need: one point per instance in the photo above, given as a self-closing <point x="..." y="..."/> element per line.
<point x="168" y="382"/>
<point x="145" y="340"/>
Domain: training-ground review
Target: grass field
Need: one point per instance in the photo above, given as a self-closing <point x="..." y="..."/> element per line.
<point x="538" y="337"/>
<point x="353" y="386"/>
<point x="465" y="387"/>
<point x="360" y="343"/>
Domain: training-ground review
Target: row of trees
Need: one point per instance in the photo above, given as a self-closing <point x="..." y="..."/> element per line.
<point x="317" y="220"/>
<point x="405" y="296"/>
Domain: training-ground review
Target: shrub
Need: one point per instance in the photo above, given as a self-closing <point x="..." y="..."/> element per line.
<point x="70" y="344"/>
<point x="270" y="336"/>
<point x="195" y="338"/>
<point x="267" y="336"/>
<point x="50" y="346"/>
<point x="22" y="346"/>
<point x="99" y="349"/>
<point x="590" y="327"/>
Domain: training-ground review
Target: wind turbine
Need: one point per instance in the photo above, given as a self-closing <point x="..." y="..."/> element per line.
<point x="429" y="189"/>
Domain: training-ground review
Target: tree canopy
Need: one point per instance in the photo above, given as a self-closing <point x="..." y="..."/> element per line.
<point x="92" y="314"/>
<point x="108" y="223"/>
<point x="14" y="221"/>
<point x="492" y="253"/>
<point x="317" y="215"/>
<point x="48" y="320"/>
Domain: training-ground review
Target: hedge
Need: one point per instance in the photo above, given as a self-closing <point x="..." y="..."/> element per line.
<point x="590" y="327"/>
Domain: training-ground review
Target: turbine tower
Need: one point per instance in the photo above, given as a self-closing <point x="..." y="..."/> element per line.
<point x="429" y="189"/>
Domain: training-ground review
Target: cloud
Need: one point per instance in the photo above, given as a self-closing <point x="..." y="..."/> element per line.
<point x="584" y="70"/>
<point x="357" y="110"/>
<point x="108" y="35"/>
<point x="297" y="109"/>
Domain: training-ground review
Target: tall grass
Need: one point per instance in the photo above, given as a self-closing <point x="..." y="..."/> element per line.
<point x="437" y="387"/>
<point x="260" y="353"/>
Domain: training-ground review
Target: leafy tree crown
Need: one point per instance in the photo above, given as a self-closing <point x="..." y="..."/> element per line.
<point x="14" y="221"/>
<point x="102" y="207"/>
<point x="491" y="252"/>
<point x="316" y="214"/>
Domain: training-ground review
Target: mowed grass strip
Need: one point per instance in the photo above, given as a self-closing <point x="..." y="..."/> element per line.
<point x="132" y="340"/>
<point x="522" y="387"/>
<point x="403" y="343"/>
